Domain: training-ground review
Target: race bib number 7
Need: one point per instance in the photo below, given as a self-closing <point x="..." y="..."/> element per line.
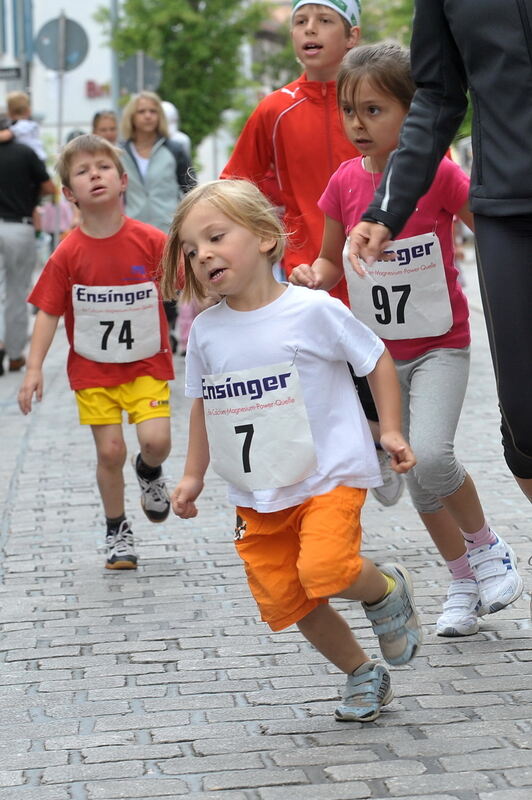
<point x="116" y="324"/>
<point x="258" y="428"/>
<point x="406" y="297"/>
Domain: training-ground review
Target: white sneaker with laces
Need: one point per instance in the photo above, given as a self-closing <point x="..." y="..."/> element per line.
<point x="460" y="610"/>
<point x="393" y="483"/>
<point x="495" y="569"/>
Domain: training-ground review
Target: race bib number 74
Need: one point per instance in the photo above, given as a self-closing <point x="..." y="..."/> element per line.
<point x="116" y="324"/>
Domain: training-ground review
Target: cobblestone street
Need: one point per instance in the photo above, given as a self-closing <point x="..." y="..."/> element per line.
<point x="162" y="683"/>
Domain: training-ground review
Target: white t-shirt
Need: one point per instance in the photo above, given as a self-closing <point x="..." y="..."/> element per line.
<point x="319" y="335"/>
<point x="142" y="163"/>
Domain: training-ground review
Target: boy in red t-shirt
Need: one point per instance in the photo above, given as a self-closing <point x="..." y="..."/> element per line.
<point x="102" y="279"/>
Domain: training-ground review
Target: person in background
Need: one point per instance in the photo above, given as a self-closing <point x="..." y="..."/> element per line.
<point x="159" y="170"/>
<point x="109" y="263"/>
<point x="23" y="179"/>
<point x="105" y="124"/>
<point x="23" y="128"/>
<point x="177" y="135"/>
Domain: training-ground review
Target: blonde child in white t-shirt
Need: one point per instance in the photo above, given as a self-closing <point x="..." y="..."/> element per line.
<point x="276" y="414"/>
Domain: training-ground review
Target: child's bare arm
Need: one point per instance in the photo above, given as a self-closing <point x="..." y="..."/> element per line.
<point x="43" y="334"/>
<point x="191" y="484"/>
<point x="386" y="392"/>
<point x="6" y="135"/>
<point x="327" y="269"/>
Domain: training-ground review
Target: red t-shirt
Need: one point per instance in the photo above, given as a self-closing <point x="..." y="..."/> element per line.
<point x="348" y="195"/>
<point x="129" y="257"/>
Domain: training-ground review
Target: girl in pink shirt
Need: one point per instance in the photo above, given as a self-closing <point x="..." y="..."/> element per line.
<point x="413" y="300"/>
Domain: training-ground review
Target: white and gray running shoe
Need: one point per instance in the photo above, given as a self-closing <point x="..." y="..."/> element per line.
<point x="460" y="610"/>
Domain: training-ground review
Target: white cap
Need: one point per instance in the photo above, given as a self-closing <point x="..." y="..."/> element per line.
<point x="348" y="9"/>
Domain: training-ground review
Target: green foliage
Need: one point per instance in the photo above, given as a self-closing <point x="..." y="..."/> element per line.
<point x="198" y="44"/>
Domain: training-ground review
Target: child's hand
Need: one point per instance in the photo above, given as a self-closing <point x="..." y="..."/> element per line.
<point x="305" y="275"/>
<point x="32" y="384"/>
<point x="402" y="457"/>
<point x="183" y="496"/>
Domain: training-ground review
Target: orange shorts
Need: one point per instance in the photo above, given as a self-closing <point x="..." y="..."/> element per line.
<point x="298" y="557"/>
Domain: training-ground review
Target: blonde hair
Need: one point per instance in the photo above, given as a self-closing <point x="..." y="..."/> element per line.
<point x="239" y="200"/>
<point x="17" y="103"/>
<point x="88" y="143"/>
<point x="127" y="128"/>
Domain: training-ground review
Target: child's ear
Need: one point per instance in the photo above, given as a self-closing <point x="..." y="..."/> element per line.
<point x="267" y="245"/>
<point x="354" y="37"/>
<point x="123" y="181"/>
<point x="68" y="193"/>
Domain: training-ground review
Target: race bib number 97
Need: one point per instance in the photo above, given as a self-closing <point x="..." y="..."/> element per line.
<point x="258" y="428"/>
<point x="407" y="297"/>
<point x="116" y="324"/>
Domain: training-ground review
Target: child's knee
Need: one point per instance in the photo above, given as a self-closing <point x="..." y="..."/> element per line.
<point x="112" y="453"/>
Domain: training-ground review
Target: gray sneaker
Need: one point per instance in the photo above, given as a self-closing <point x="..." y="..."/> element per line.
<point x="394" y="620"/>
<point x="393" y="484"/>
<point x="120" y="549"/>
<point x="366" y="691"/>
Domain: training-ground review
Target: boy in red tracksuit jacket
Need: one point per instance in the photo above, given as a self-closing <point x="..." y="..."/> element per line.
<point x="296" y="132"/>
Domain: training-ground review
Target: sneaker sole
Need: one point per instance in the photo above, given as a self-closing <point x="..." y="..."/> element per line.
<point x="452" y="631"/>
<point x="388" y="697"/>
<point x="155" y="516"/>
<point x="121" y="565"/>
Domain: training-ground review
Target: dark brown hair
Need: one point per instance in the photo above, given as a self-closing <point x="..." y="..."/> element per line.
<point x="385" y="65"/>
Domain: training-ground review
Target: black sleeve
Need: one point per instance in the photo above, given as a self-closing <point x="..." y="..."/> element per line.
<point x="185" y="174"/>
<point x="38" y="170"/>
<point x="438" y="108"/>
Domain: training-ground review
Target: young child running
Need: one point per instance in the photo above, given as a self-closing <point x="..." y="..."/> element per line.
<point x="276" y="413"/>
<point x="415" y="302"/>
<point x="102" y="278"/>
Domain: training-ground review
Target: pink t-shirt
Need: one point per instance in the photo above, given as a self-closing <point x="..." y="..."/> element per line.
<point x="348" y="194"/>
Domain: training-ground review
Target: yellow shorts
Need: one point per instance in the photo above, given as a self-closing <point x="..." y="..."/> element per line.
<point x="298" y="557"/>
<point x="144" y="398"/>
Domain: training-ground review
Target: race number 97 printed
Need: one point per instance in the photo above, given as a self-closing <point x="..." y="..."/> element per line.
<point x="405" y="297"/>
<point x="258" y="428"/>
<point x="116" y="324"/>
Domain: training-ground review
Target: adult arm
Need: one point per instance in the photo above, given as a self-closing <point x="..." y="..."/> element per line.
<point x="438" y="107"/>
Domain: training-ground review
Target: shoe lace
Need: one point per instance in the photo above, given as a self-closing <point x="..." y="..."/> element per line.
<point x="123" y="541"/>
<point x="156" y="489"/>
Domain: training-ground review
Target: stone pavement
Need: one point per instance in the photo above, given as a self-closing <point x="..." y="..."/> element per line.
<point x="163" y="684"/>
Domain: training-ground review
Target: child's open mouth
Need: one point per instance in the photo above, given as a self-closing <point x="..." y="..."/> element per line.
<point x="216" y="274"/>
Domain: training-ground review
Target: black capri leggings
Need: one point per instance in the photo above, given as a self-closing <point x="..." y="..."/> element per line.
<point x="504" y="255"/>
